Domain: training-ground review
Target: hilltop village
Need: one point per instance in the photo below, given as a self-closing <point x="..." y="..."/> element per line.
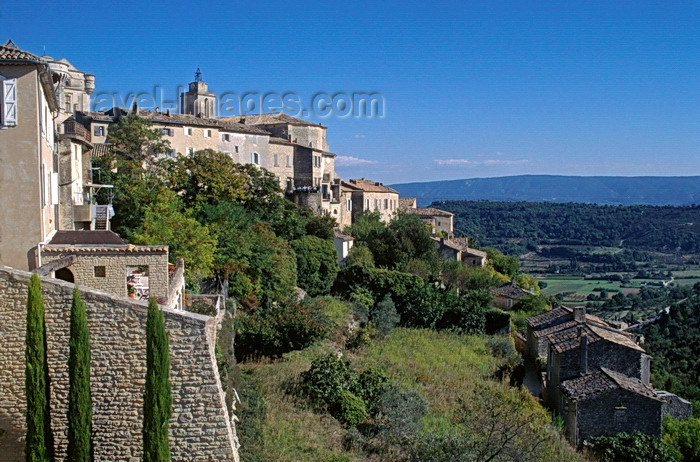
<point x="57" y="219"/>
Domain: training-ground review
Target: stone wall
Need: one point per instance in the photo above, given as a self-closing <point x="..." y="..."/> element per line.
<point x="617" y="411"/>
<point x="200" y="428"/>
<point x="116" y="265"/>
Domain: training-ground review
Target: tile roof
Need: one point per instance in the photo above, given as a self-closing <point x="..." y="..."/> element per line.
<point x="10" y="52"/>
<point x="570" y="338"/>
<point x="560" y="313"/>
<point x="95" y="241"/>
<point x="368" y="186"/>
<point x="511" y="290"/>
<point x="278" y="118"/>
<point x="338" y="234"/>
<point x="158" y="117"/>
<point x="427" y="212"/>
<point x="86" y="238"/>
<point x="462" y="244"/>
<point x="604" y="380"/>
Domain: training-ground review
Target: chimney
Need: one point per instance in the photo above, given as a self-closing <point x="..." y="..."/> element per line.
<point x="580" y="313"/>
<point x="168" y="112"/>
<point x="584" y="354"/>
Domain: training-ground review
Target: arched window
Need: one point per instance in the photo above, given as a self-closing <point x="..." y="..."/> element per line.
<point x="255" y="158"/>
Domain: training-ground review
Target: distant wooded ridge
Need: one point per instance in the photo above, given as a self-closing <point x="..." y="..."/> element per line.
<point x="506" y="225"/>
<point x="612" y="190"/>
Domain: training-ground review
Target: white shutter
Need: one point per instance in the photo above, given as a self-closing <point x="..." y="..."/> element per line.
<point x="54" y="188"/>
<point x="9" y="102"/>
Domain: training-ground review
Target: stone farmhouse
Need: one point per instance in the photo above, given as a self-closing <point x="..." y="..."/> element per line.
<point x="457" y="248"/>
<point x="508" y="295"/>
<point x="597" y="378"/>
<point x="441" y="222"/>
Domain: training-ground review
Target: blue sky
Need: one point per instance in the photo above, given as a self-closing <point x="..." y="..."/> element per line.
<point x="470" y="89"/>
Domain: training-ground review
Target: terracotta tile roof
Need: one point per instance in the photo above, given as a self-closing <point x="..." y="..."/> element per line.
<point x="604" y="380"/>
<point x="10" y="52"/>
<point x="427" y="212"/>
<point x="367" y="186"/>
<point x="279" y="118"/>
<point x="559" y="315"/>
<point x="100" y="149"/>
<point x="570" y="338"/>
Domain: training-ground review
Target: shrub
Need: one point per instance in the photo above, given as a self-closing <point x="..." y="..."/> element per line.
<point x="372" y="383"/>
<point x="384" y="316"/>
<point x="204" y="307"/>
<point x="327" y="377"/>
<point x="349" y="409"/>
<point x="496" y="320"/>
<point x="400" y="414"/>
<point x="635" y="447"/>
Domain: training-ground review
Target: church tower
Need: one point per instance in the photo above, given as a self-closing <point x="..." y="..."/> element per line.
<point x="198" y="100"/>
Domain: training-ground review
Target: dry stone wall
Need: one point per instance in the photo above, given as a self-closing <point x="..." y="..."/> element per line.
<point x="200" y="428"/>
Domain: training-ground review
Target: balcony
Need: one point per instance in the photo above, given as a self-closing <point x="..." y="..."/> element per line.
<point x="73" y="128"/>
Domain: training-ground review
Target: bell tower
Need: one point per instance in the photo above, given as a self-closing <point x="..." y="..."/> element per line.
<point x="198" y="100"/>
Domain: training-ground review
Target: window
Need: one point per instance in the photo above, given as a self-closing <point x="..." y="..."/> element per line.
<point x="167" y="131"/>
<point x="386" y="204"/>
<point x="620" y="414"/>
<point x="207" y="133"/>
<point x="8" y="102"/>
<point x="188" y="131"/>
<point x="226" y="137"/>
<point x="376" y="204"/>
<point x="289" y="161"/>
<point x="255" y="158"/>
<point x="277" y="160"/>
<point x="509" y="302"/>
<point x="317" y="161"/>
<point x="348" y="205"/>
<point x="100" y="272"/>
<point x="190" y="151"/>
<point x="367" y="205"/>
<point x="236" y="148"/>
<point x="172" y="153"/>
<point x="68" y="103"/>
<point x="99" y="130"/>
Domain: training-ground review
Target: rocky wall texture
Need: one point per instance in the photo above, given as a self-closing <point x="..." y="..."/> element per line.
<point x="200" y="428"/>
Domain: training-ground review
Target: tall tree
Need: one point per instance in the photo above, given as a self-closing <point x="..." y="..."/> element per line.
<point x="79" y="398"/>
<point x="157" y="400"/>
<point x="39" y="437"/>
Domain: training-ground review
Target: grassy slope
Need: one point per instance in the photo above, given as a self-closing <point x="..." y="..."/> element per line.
<point x="443" y="367"/>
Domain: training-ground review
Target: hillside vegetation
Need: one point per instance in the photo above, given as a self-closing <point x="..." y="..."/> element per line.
<point x="616" y="190"/>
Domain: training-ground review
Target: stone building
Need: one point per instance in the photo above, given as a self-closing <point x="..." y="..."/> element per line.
<point x="597" y="377"/>
<point x="457" y="248"/>
<point x="605" y="402"/>
<point x="366" y="195"/>
<point x="29" y="178"/>
<point x="508" y="295"/>
<point x="441" y="222"/>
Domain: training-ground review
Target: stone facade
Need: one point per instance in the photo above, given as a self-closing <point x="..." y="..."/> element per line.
<point x="200" y="429"/>
<point x="116" y="266"/>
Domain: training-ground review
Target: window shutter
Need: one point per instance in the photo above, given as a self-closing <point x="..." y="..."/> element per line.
<point x="54" y="188"/>
<point x="9" y="102"/>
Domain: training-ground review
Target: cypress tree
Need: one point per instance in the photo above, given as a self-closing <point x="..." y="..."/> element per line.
<point x="157" y="401"/>
<point x="39" y="447"/>
<point x="79" y="398"/>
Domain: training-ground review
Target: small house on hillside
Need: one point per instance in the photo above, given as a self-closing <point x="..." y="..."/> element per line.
<point x="440" y="222"/>
<point x="343" y="243"/>
<point x="605" y="402"/>
<point x="557" y="319"/>
<point x="457" y="248"/>
<point x="509" y="294"/>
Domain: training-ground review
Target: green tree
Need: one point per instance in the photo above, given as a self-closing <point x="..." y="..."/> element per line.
<point x="79" y="398"/>
<point x="384" y="316"/>
<point x="504" y="264"/>
<point x="360" y="256"/>
<point x="132" y="168"/>
<point x="39" y="447"/>
<point x="157" y="400"/>
<point x="317" y="264"/>
<point x="166" y="222"/>
<point x="684" y="436"/>
<point x="635" y="447"/>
